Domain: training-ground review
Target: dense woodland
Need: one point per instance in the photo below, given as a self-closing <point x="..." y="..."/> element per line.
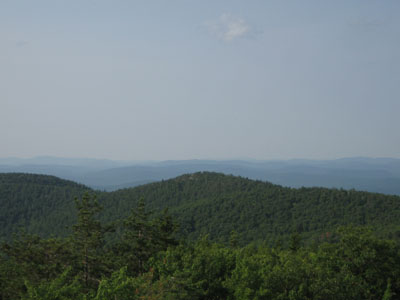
<point x="199" y="236"/>
<point x="37" y="203"/>
<point x="149" y="263"/>
<point x="203" y="204"/>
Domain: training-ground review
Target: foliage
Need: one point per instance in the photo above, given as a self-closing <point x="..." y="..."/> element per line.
<point x="199" y="270"/>
<point x="143" y="237"/>
<point x="202" y="203"/>
<point x="59" y="288"/>
<point x="26" y="198"/>
<point x="144" y="260"/>
<point x="89" y="240"/>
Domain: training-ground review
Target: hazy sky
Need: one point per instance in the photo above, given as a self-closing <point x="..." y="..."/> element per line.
<point x="200" y="79"/>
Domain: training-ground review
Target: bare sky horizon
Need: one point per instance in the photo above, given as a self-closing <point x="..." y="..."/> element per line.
<point x="164" y="80"/>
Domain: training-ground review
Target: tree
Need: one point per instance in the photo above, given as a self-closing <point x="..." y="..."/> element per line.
<point x="59" y="288"/>
<point x="33" y="259"/>
<point x="88" y="239"/>
<point x="294" y="242"/>
<point x="143" y="237"/>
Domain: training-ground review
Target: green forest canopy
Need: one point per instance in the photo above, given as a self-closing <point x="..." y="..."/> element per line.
<point x="202" y="203"/>
<point x="149" y="263"/>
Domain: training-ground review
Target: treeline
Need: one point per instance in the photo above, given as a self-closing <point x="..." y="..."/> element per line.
<point x="203" y="204"/>
<point x="146" y="261"/>
<point x="217" y="204"/>
<point x="73" y="267"/>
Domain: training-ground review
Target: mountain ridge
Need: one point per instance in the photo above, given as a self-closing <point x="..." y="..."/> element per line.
<point x="203" y="203"/>
<point x="380" y="175"/>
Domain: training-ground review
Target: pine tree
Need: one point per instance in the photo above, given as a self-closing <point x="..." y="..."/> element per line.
<point x="143" y="237"/>
<point x="137" y="239"/>
<point x="88" y="240"/>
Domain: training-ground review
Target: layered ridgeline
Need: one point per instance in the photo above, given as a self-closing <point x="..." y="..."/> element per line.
<point x="203" y="203"/>
<point x="377" y="175"/>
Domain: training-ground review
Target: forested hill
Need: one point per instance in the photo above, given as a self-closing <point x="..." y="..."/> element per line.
<point x="203" y="203"/>
<point x="38" y="203"/>
<point x="216" y="204"/>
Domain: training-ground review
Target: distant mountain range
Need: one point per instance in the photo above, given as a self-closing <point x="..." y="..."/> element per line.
<point x="380" y="175"/>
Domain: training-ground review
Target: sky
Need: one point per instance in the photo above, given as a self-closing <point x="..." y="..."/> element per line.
<point x="185" y="79"/>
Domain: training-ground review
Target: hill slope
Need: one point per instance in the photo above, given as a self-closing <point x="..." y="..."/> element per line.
<point x="39" y="203"/>
<point x="216" y="204"/>
<point x="203" y="203"/>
